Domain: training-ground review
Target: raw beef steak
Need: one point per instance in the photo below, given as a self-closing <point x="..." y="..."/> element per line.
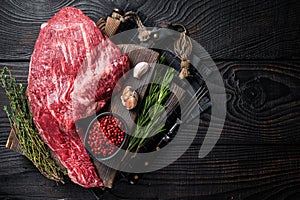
<point x="73" y="71"/>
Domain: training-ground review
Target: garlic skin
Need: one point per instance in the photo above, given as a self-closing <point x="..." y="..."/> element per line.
<point x="131" y="103"/>
<point x="129" y="98"/>
<point x="126" y="94"/>
<point x="140" y="69"/>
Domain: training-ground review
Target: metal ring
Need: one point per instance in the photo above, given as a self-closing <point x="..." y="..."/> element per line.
<point x="178" y="26"/>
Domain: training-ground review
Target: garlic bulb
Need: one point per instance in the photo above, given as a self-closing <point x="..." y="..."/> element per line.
<point x="129" y="98"/>
<point x="140" y="69"/>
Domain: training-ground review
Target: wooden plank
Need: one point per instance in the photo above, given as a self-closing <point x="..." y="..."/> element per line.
<point x="263" y="102"/>
<point x="257" y="156"/>
<point x="228" y="172"/>
<point x="21" y="180"/>
<point x="227" y="30"/>
<point x="136" y="54"/>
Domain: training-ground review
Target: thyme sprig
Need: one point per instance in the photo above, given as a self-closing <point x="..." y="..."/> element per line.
<point x="20" y="118"/>
<point x="148" y="123"/>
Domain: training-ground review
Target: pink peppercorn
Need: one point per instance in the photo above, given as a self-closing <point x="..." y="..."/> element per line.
<point x="106" y="135"/>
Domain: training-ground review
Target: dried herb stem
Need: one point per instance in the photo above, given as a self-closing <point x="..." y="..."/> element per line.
<point x="20" y="118"/>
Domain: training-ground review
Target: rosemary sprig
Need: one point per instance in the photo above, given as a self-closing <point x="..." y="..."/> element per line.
<point x="148" y="120"/>
<point x="21" y="122"/>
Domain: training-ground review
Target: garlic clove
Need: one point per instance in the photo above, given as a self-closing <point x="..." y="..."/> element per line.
<point x="135" y="95"/>
<point x="123" y="101"/>
<point x="140" y="69"/>
<point x="127" y="89"/>
<point x="126" y="94"/>
<point x="129" y="98"/>
<point x="131" y="103"/>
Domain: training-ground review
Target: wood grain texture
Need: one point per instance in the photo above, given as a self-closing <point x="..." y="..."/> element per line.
<point x="263" y="102"/>
<point x="229" y="172"/>
<point x="20" y="180"/>
<point x="257" y="46"/>
<point x="227" y="30"/>
<point x="256" y="157"/>
<point x="233" y="172"/>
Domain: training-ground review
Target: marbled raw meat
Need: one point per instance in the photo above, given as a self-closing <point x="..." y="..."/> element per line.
<point x="73" y="71"/>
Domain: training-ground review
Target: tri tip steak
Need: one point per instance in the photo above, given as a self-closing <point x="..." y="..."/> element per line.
<point x="73" y="71"/>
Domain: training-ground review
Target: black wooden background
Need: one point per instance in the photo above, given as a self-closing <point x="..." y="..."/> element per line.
<point x="256" y="46"/>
